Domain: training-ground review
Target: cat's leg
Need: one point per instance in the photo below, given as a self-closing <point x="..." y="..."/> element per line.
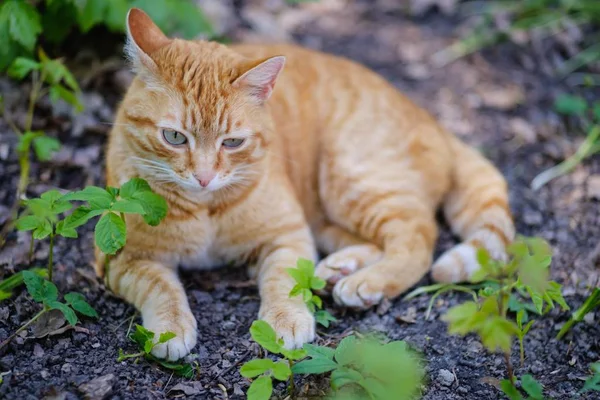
<point x="407" y="237"/>
<point x="347" y="253"/>
<point x="290" y="317"/>
<point x="156" y="291"/>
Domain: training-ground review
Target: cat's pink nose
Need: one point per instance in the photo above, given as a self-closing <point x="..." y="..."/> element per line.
<point x="205" y="177"/>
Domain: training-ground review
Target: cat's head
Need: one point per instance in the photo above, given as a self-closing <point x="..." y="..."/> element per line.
<point x="196" y="115"/>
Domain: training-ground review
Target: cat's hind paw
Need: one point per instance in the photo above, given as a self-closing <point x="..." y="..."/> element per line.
<point x="347" y="261"/>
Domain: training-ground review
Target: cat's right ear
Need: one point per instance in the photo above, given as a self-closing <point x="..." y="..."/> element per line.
<point x="143" y="39"/>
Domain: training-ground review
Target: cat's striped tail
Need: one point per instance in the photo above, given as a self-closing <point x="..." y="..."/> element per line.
<point x="477" y="210"/>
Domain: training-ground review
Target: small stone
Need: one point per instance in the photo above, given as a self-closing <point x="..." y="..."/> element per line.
<point x="474" y="347"/>
<point x="96" y="345"/>
<point x="589" y="318"/>
<point x="98" y="388"/>
<point x="189" y="388"/>
<point x="445" y="377"/>
<point x="533" y="218"/>
<point x="45" y="374"/>
<point x="228" y="325"/>
<point x="38" y="351"/>
<point x="593" y="187"/>
<point x="523" y="130"/>
<point x="66" y="368"/>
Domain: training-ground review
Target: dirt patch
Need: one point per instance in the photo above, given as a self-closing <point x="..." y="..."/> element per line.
<point x="494" y="101"/>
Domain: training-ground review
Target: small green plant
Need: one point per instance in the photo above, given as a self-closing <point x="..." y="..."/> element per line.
<point x="525" y="274"/>
<point x="593" y="382"/>
<point x="110" y="234"/>
<point x="265" y="368"/>
<point x="533" y="388"/>
<point x="145" y="340"/>
<point x="306" y="283"/>
<point x="47" y="77"/>
<point x="365" y="367"/>
<point x="588" y="115"/>
<point x="22" y="22"/>
<point x="591" y="303"/>
<point x="46" y="293"/>
<point x="9" y="284"/>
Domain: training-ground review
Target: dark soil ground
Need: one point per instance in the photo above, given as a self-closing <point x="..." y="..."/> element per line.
<point x="499" y="100"/>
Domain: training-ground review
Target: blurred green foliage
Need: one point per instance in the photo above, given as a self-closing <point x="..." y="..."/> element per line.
<point x="25" y="23"/>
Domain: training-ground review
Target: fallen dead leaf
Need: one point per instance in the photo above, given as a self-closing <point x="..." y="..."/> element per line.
<point x="501" y="97"/>
<point x="49" y="322"/>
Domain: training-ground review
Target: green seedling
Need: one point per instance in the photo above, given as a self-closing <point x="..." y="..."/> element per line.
<point x="264" y="370"/>
<point x="588" y="114"/>
<point x="524" y="328"/>
<point x="306" y="283"/>
<point x="145" y="340"/>
<point x="533" y="388"/>
<point x="588" y="306"/>
<point x="9" y="284"/>
<point x="366" y="368"/>
<point x="526" y="273"/>
<point x="110" y="234"/>
<point x="46" y="293"/>
<point x="47" y="77"/>
<point x="593" y="382"/>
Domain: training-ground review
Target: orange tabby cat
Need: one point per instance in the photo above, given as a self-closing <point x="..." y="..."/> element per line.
<point x="334" y="159"/>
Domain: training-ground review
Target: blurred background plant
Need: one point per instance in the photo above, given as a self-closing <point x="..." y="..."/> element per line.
<point x="25" y="24"/>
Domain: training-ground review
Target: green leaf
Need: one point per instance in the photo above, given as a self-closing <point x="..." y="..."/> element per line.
<point x="510" y="390"/>
<point x="319" y="351"/>
<point x="256" y="367"/>
<point x="58" y="20"/>
<point x="294" y="354"/>
<point x="345" y="353"/>
<point x="24" y="23"/>
<point x="92" y="13"/>
<point x="592" y="383"/>
<point x="41" y="290"/>
<point x="142" y="335"/>
<point x="128" y="207"/>
<point x="155" y="207"/>
<point x="115" y="16"/>
<point x="133" y="186"/>
<point x="555" y="293"/>
<point x="296" y="290"/>
<point x="314" y="366"/>
<point x="28" y="223"/>
<point x="463" y="318"/>
<point x="316" y="300"/>
<point x="16" y="280"/>
<point x="317" y="283"/>
<point x="303" y="282"/>
<point x="98" y="198"/>
<point x="374" y="387"/>
<point x="65" y="309"/>
<point x="497" y="333"/>
<point x="21" y="67"/>
<point x="265" y="336"/>
<point x="323" y="317"/>
<point x="281" y="371"/>
<point x="78" y="303"/>
<point x="43" y="231"/>
<point x="344" y="376"/>
<point x="260" y="389"/>
<point x="532" y="387"/>
<point x="45" y="147"/>
<point x="80" y="216"/>
<point x="59" y="92"/>
<point x="570" y="105"/>
<point x="26" y="139"/>
<point x="110" y="233"/>
<point x="306" y="295"/>
<point x="166" y="336"/>
<point x="307" y="267"/>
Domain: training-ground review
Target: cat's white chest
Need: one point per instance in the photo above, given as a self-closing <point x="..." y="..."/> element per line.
<point x="204" y="248"/>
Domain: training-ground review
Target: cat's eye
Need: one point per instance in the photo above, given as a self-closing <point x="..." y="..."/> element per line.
<point x="232" y="143"/>
<point x="173" y="137"/>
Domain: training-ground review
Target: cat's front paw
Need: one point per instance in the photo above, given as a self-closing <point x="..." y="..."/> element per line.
<point x="362" y="290"/>
<point x="292" y="322"/>
<point x="183" y="326"/>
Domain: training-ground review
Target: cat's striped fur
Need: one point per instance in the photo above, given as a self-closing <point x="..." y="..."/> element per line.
<point x="336" y="160"/>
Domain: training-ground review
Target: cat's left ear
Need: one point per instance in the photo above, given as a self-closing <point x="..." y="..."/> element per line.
<point x="260" y="79"/>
